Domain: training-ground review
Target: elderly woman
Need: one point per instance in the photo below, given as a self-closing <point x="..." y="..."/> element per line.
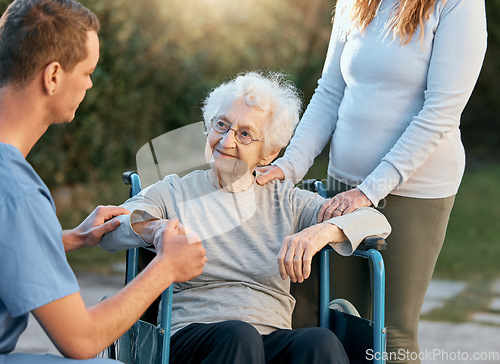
<point x="257" y="238"/>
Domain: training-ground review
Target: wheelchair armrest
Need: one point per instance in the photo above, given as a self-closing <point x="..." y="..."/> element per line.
<point x="376" y="243"/>
<point x="367" y="244"/>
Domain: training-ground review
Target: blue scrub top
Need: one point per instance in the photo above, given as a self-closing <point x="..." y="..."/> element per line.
<point x="34" y="270"/>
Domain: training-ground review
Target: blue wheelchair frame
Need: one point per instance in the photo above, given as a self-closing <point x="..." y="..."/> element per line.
<point x="159" y="336"/>
<point x="163" y="328"/>
<point x="379" y="329"/>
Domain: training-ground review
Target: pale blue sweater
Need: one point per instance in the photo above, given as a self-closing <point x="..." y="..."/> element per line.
<point x="392" y="111"/>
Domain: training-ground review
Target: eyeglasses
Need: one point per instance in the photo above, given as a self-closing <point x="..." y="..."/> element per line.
<point x="243" y="136"/>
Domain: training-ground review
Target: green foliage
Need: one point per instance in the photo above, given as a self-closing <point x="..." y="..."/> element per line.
<point x="159" y="58"/>
<point x="471" y="248"/>
<point x="480" y="121"/>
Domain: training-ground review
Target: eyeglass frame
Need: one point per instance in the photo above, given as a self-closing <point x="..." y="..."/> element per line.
<point x="236" y="131"/>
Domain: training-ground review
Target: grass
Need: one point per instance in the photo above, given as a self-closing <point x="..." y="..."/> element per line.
<point x="471" y="249"/>
<point x="474" y="298"/>
<point x="472" y="245"/>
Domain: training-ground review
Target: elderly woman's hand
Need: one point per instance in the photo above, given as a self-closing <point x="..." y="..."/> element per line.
<point x="269" y="173"/>
<point x="179" y="249"/>
<point x="343" y="203"/>
<point x="297" y="250"/>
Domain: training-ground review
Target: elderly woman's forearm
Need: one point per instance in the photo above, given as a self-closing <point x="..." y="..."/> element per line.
<point x="147" y="229"/>
<point x="333" y="234"/>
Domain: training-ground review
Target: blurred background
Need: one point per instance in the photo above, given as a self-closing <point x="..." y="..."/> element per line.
<point x="159" y="58"/>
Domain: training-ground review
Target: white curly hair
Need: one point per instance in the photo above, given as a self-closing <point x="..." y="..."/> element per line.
<point x="270" y="92"/>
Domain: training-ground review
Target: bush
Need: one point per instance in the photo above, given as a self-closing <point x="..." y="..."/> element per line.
<point x="158" y="60"/>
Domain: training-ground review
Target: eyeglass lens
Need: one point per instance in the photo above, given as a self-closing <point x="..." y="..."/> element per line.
<point x="221" y="126"/>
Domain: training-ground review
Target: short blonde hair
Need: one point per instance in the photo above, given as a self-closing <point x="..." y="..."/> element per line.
<point x="34" y="33"/>
<point x="271" y="92"/>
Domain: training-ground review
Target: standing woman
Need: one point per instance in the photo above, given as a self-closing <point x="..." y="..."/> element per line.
<point x="397" y="76"/>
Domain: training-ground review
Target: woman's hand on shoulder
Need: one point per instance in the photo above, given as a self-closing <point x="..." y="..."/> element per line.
<point x="343" y="203"/>
<point x="269" y="173"/>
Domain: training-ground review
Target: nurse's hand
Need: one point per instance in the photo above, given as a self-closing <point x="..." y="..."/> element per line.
<point x="91" y="230"/>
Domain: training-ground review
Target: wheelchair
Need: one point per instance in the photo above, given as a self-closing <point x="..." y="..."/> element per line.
<point x="148" y="340"/>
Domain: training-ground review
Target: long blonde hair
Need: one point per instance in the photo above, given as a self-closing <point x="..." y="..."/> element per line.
<point x="406" y="16"/>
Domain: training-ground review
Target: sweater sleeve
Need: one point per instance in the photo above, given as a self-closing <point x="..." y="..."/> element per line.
<point x="457" y="56"/>
<point x="360" y="224"/>
<point x="318" y="122"/>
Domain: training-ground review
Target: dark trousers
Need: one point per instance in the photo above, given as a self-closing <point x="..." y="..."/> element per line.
<point x="240" y="342"/>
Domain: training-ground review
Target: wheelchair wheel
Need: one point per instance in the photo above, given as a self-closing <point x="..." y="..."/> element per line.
<point x="343" y="305"/>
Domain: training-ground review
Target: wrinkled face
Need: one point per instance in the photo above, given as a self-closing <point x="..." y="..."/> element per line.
<point x="225" y="154"/>
<point x="76" y="83"/>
